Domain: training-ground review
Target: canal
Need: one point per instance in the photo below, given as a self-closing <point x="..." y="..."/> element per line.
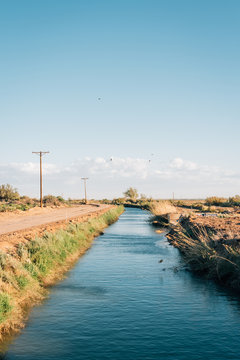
<point x="120" y="301"/>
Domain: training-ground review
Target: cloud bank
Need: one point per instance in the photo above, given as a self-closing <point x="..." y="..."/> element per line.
<point x="109" y="177"/>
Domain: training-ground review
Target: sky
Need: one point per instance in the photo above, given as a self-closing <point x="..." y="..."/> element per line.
<point x="153" y="85"/>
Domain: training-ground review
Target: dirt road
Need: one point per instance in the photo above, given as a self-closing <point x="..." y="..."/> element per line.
<point x="10" y="223"/>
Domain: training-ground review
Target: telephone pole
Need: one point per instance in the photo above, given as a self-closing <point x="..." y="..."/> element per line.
<point x="85" y="188"/>
<point x="41" y="153"/>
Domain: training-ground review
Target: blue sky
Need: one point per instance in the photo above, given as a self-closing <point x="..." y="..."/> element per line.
<point x="166" y="73"/>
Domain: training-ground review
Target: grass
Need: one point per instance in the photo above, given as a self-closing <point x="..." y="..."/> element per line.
<point x="5" y="207"/>
<point x="5" y="307"/>
<point x="161" y="207"/>
<point x="26" y="272"/>
<point x="213" y="254"/>
<point x="161" y="210"/>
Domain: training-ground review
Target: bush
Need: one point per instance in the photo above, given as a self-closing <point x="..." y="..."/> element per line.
<point x="51" y="200"/>
<point x="118" y="201"/>
<point x="28" y="201"/>
<point x="235" y="200"/>
<point x="217" y="201"/>
<point x="8" y="193"/>
<point x="131" y="194"/>
<point x="105" y="201"/>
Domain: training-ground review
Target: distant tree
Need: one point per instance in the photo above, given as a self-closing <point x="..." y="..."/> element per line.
<point x="8" y="193"/>
<point x="131" y="194"/>
<point x="235" y="200"/>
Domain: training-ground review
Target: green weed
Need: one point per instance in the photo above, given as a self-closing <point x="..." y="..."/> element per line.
<point x="5" y="306"/>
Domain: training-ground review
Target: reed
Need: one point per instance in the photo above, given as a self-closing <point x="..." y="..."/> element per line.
<point x="215" y="254"/>
<point x="161" y="207"/>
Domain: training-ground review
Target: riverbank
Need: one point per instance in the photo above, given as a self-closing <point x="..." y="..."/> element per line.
<point x="15" y="228"/>
<point x="210" y="246"/>
<point x="31" y="266"/>
<point x="208" y="241"/>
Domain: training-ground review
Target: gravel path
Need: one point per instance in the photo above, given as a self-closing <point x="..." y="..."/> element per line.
<point x="38" y="217"/>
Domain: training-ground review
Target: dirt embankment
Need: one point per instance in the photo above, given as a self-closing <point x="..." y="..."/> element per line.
<point x="210" y="245"/>
<point x="227" y="227"/>
<point x="25" y="226"/>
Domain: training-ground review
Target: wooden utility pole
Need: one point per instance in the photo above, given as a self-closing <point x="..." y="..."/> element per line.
<point x="41" y="153"/>
<point x="85" y="188"/>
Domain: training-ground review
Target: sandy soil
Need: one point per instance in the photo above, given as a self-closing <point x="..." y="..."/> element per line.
<point x="24" y="226"/>
<point x="229" y="225"/>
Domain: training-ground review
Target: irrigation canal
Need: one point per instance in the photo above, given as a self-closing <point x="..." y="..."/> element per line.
<point x="119" y="302"/>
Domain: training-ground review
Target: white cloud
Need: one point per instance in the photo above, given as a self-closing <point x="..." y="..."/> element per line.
<point x="33" y="168"/>
<point x="179" y="163"/>
<point x="113" y="167"/>
<point x="110" y="175"/>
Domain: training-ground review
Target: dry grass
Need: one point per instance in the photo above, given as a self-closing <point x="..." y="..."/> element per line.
<point x="161" y="207"/>
<point x="161" y="211"/>
<point x="215" y="254"/>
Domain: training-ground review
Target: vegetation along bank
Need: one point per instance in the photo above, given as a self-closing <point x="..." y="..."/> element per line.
<point x="210" y="247"/>
<point x="27" y="270"/>
<point x="209" y="239"/>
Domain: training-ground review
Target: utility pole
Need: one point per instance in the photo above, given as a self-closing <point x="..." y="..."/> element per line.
<point x="173" y="196"/>
<point x="85" y="188"/>
<point x="41" y="153"/>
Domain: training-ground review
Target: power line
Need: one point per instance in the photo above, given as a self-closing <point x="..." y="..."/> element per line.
<point x="85" y="188"/>
<point x="41" y="153"/>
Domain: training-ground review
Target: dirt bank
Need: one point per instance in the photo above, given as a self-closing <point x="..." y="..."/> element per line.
<point x="23" y="226"/>
<point x="210" y="245"/>
<point x="228" y="225"/>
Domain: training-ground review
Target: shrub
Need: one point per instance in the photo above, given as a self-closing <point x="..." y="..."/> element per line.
<point x="26" y="200"/>
<point x="51" y="200"/>
<point x="131" y="194"/>
<point x="118" y="201"/>
<point x="8" y="193"/>
<point x="217" y="201"/>
<point x="235" y="200"/>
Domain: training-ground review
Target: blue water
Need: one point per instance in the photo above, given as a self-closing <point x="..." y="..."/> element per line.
<point x="120" y="303"/>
